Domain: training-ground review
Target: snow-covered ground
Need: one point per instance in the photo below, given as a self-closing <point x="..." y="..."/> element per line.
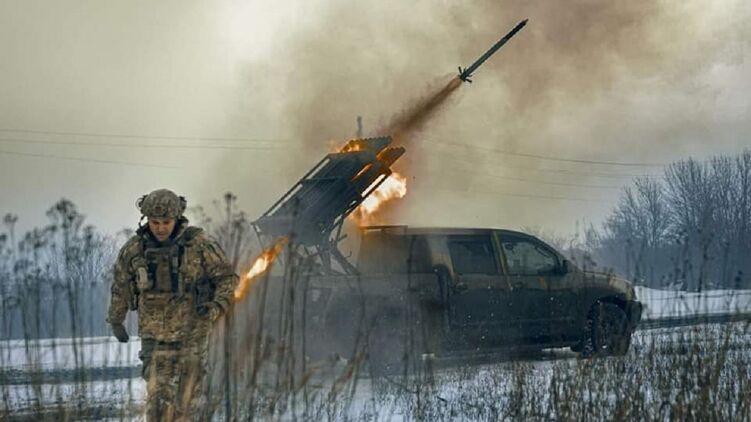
<point x="672" y="303"/>
<point x="113" y="395"/>
<point x="92" y="352"/>
<point x="48" y="373"/>
<point x="64" y="353"/>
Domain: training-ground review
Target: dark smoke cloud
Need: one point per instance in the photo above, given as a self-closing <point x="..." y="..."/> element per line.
<point x="617" y="81"/>
<point x="416" y="116"/>
<point x="374" y="61"/>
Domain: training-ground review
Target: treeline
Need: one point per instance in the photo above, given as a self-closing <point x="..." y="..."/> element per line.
<point x="688" y="229"/>
<point x="52" y="279"/>
<point x="55" y="280"/>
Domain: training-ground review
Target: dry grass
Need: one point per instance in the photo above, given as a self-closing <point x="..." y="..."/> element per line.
<point x="260" y="370"/>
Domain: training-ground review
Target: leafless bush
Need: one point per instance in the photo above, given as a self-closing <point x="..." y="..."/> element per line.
<point x="231" y="228"/>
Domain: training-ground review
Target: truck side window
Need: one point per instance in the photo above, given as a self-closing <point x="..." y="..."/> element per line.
<point x="394" y="254"/>
<point x="472" y="254"/>
<point x="525" y="257"/>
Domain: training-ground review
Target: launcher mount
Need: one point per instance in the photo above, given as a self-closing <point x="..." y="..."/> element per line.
<point x="313" y="211"/>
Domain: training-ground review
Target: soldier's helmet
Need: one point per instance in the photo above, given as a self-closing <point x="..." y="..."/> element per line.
<point x="162" y="203"/>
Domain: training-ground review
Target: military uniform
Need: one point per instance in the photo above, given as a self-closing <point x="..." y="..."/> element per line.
<point x="178" y="287"/>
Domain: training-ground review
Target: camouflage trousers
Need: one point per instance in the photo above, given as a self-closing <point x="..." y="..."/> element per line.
<point x="174" y="377"/>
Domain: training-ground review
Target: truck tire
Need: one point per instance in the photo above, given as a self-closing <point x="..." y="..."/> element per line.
<point x="606" y="332"/>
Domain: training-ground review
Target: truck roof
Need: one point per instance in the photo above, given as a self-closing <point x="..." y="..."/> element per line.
<point x="384" y="249"/>
<point x="403" y="230"/>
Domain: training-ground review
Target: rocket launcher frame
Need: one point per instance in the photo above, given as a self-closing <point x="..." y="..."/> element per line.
<point x="317" y="205"/>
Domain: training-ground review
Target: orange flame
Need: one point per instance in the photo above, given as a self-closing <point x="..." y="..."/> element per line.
<point x="394" y="187"/>
<point x="363" y="171"/>
<point x="261" y="264"/>
<point x="352" y="146"/>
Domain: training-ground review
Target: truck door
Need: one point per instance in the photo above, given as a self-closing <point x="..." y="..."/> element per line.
<point x="478" y="299"/>
<point x="531" y="268"/>
<point x="565" y="306"/>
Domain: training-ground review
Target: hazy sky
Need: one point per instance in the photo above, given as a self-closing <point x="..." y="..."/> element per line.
<point x="101" y="102"/>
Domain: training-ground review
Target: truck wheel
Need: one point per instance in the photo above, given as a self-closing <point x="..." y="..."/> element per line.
<point x="606" y="332"/>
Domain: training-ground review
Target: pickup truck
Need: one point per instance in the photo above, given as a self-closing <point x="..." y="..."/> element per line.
<point x="439" y="291"/>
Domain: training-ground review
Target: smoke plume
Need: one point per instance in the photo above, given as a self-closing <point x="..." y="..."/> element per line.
<point x="415" y="116"/>
<point x="601" y="81"/>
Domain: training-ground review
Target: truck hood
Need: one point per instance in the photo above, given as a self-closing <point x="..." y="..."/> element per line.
<point x="620" y="284"/>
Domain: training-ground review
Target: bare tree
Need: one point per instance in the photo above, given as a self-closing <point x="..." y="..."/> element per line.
<point x="690" y="228"/>
<point x="233" y="230"/>
<point x="55" y="279"/>
<point x="639" y="226"/>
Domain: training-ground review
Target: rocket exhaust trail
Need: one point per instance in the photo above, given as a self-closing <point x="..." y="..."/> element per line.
<point x="413" y="118"/>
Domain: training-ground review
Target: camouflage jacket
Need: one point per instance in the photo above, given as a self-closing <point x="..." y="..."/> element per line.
<point x="179" y="276"/>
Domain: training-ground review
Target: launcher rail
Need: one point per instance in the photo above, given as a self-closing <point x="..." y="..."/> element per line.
<point x="313" y="211"/>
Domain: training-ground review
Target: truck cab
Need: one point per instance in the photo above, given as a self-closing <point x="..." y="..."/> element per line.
<point x="490" y="288"/>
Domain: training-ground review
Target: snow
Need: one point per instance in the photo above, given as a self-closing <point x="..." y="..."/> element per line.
<point x="55" y="361"/>
<point x="673" y="303"/>
<point x="93" y="352"/>
<point x="52" y="357"/>
<point x="27" y="397"/>
<point x="65" y="353"/>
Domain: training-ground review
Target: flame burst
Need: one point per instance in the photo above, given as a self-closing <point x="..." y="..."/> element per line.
<point x="261" y="264"/>
<point x="394" y="187"/>
<point x="352" y="147"/>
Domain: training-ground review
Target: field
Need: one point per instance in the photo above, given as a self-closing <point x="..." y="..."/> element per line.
<point x="689" y="372"/>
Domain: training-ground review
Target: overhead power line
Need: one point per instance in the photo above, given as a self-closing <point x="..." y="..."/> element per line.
<point x="276" y="146"/>
<point x="277" y="141"/>
<point x="154" y="146"/>
<point x="92" y="160"/>
<point x="550" y="158"/>
<point x="495" y="176"/>
<point x="592" y="174"/>
<point x="464" y="158"/>
<point x="512" y="194"/>
<point x="543" y="182"/>
<point x="134" y="136"/>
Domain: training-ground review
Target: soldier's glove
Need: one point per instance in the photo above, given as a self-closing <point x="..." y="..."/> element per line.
<point x="210" y="310"/>
<point x="118" y="330"/>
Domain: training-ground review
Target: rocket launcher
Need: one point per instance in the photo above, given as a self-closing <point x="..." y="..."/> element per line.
<point x="317" y="205"/>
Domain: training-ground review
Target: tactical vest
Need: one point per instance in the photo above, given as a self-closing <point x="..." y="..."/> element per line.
<point x="158" y="266"/>
<point x="163" y="265"/>
<point x="171" y="285"/>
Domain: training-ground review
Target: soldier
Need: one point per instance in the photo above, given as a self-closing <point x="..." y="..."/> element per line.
<point x="179" y="281"/>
